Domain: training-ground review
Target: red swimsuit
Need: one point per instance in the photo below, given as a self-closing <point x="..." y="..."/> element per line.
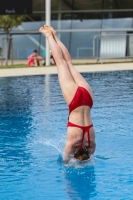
<point x="81" y="98"/>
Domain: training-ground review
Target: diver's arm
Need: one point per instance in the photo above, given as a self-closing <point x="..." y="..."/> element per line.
<point x="92" y="147"/>
<point x="67" y="152"/>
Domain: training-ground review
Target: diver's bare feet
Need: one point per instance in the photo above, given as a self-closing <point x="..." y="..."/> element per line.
<point x="45" y="31"/>
<point x="50" y="28"/>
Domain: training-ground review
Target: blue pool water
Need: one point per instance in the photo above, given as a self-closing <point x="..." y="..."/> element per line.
<point x="33" y="117"/>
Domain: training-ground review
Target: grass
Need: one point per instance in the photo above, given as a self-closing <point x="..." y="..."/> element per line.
<point x="74" y="63"/>
<point x="13" y="66"/>
<point x="103" y="62"/>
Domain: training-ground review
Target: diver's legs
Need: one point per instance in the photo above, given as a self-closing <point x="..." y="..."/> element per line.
<point x="78" y="78"/>
<point x="68" y="86"/>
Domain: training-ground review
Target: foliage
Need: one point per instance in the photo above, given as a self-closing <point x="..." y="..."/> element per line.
<point x="9" y="21"/>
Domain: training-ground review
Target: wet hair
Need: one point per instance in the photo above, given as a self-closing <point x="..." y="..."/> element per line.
<point x="81" y="153"/>
<point x="35" y="51"/>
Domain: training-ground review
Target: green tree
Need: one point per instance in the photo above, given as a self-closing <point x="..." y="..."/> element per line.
<point x="7" y="22"/>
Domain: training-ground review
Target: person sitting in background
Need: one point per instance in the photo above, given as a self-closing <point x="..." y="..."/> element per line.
<point x="34" y="59"/>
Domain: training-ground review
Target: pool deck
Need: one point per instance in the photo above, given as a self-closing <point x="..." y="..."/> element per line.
<point x="53" y="69"/>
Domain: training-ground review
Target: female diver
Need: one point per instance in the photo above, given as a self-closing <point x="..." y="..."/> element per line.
<point x="78" y="95"/>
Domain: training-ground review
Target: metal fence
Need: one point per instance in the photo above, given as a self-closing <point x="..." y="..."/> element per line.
<point x="109" y="46"/>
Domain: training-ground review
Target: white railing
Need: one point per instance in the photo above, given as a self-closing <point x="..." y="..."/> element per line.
<point x="113" y="46"/>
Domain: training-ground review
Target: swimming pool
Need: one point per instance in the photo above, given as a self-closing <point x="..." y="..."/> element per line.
<point x="33" y="118"/>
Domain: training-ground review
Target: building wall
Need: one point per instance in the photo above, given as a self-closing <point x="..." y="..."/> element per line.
<point x="76" y="22"/>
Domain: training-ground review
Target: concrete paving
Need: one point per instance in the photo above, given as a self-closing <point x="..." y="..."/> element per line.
<point x="53" y="70"/>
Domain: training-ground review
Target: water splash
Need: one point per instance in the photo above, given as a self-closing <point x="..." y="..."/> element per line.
<point x="57" y="144"/>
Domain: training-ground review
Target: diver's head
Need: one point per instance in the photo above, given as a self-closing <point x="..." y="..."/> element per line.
<point x="81" y="153"/>
<point x="35" y="52"/>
